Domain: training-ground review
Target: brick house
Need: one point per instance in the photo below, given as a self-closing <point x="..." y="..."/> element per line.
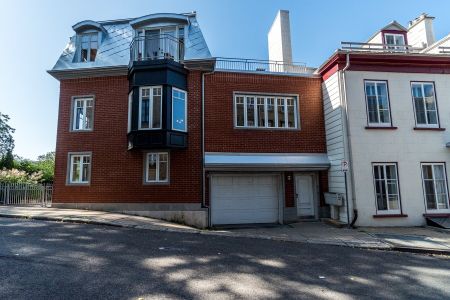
<point x="151" y="124"/>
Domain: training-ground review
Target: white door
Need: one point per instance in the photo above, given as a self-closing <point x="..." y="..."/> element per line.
<point x="305" y="195"/>
<point x="244" y="199"/>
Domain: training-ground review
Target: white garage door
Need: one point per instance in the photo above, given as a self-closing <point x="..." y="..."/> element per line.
<point x="244" y="199"/>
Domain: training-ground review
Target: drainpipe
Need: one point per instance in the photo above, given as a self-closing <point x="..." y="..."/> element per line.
<point x="349" y="146"/>
<point x="203" y="146"/>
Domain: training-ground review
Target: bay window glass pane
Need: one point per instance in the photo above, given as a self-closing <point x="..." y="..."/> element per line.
<point x="271" y="112"/>
<point x="156" y="115"/>
<point x="151" y="167"/>
<point x="291" y="112"/>
<point x="250" y="111"/>
<point x="178" y="110"/>
<point x="260" y="112"/>
<point x="145" y="115"/>
<point x="239" y="111"/>
<point x="280" y="109"/>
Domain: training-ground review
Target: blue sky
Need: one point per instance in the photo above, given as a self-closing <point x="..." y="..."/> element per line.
<point x="33" y="34"/>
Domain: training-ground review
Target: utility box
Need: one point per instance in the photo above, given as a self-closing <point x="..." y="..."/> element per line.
<point x="336" y="199"/>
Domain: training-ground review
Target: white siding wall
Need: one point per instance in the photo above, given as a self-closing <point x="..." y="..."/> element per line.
<point x="334" y="121"/>
<point x="405" y="146"/>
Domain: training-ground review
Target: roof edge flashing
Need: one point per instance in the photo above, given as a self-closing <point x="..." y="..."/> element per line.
<point x="161" y="17"/>
<point x="87" y="25"/>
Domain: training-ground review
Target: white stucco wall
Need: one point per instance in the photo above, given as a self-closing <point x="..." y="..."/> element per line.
<point x="404" y="145"/>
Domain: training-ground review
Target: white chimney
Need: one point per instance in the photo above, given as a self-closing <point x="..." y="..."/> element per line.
<point x="420" y="31"/>
<point x="279" y="39"/>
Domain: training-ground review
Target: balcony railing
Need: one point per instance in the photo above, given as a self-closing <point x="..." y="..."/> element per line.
<point x="374" y="47"/>
<point x="154" y="47"/>
<point x="255" y="65"/>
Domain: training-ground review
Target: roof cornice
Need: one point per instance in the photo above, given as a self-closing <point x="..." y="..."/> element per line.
<point x="89" y="72"/>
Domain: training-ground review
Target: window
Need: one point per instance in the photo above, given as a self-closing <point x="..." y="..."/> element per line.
<point x="89" y="46"/>
<point x="179" y="110"/>
<point x="394" y="41"/>
<point x="160" y="43"/>
<point x="254" y="111"/>
<point x="425" y="105"/>
<point x="435" y="186"/>
<point x="386" y="188"/>
<point x="130" y="110"/>
<point x="83" y="114"/>
<point x="79" y="168"/>
<point x="150" y="107"/>
<point x="157" y="167"/>
<point x="377" y="103"/>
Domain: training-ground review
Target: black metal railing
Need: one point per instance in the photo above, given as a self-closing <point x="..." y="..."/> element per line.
<point x="444" y="50"/>
<point x="375" y="47"/>
<point x="255" y="65"/>
<point x="153" y="47"/>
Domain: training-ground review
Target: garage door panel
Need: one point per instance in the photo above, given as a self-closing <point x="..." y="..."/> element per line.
<point x="244" y="199"/>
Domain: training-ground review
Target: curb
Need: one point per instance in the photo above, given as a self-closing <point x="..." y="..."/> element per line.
<point x="389" y="247"/>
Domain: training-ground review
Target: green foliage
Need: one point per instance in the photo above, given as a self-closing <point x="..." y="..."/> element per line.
<point x="6" y="139"/>
<point x="45" y="164"/>
<point x="7" y="161"/>
<point x="17" y="176"/>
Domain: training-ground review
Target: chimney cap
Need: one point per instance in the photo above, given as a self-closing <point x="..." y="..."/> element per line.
<point x="421" y="17"/>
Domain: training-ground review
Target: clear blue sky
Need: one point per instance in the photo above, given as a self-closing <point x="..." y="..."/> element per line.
<point x="33" y="34"/>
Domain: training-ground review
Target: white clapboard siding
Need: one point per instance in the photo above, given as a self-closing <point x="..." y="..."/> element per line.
<point x="334" y="132"/>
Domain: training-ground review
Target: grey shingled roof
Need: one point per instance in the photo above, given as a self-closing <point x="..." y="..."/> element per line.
<point x="114" y="50"/>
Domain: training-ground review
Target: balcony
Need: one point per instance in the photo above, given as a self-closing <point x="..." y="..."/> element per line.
<point x="381" y="48"/>
<point x="156" y="47"/>
<point x="260" y="66"/>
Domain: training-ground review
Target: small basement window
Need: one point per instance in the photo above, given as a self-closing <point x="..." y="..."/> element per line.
<point x="89" y="46"/>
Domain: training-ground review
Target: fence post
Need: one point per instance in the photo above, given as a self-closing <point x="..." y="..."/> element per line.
<point x="7" y="195"/>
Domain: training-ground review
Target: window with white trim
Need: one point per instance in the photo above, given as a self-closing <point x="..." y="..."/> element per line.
<point x="377" y="99"/>
<point x="435" y="186"/>
<point x="386" y="188"/>
<point x="394" y="41"/>
<point x="258" y="111"/>
<point x="79" y="168"/>
<point x="425" y="106"/>
<point x="179" y="109"/>
<point x="88" y="46"/>
<point x="150" y="107"/>
<point x="157" y="167"/>
<point x="83" y="114"/>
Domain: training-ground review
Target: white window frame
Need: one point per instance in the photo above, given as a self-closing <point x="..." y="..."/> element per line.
<point x="130" y="110"/>
<point x="157" y="180"/>
<point x="437" y="210"/>
<point x="90" y="35"/>
<point x="185" y="109"/>
<point x="395" y="46"/>
<point x="385" y="182"/>
<point x="84" y="99"/>
<point x="150" y="107"/>
<point x="79" y="181"/>
<point x="427" y="125"/>
<point x="266" y="119"/>
<point x="378" y="124"/>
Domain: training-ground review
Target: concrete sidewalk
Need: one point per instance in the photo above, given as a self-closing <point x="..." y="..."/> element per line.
<point x="411" y="239"/>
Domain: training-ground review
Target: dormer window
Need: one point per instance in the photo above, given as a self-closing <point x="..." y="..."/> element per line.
<point x="88" y="47"/>
<point x="159" y="43"/>
<point x="394" y="40"/>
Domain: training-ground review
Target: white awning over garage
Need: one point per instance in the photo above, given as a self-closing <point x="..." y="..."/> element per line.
<point x="266" y="161"/>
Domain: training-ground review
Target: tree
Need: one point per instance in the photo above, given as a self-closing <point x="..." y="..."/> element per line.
<point x="6" y="138"/>
<point x="7" y="161"/>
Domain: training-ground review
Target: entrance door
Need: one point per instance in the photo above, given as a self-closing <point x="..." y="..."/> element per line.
<point x="304" y="195"/>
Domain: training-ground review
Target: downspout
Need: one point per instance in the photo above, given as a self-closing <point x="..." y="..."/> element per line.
<point x="349" y="146"/>
<point x="203" y="146"/>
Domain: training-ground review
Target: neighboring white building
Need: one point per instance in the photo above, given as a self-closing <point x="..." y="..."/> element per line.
<point x="387" y="112"/>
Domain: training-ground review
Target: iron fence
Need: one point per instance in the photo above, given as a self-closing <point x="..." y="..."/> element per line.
<point x="19" y="194"/>
<point x="255" y="65"/>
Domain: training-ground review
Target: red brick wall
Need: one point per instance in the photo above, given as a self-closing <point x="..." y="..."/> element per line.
<point x="222" y="137"/>
<point x="117" y="174"/>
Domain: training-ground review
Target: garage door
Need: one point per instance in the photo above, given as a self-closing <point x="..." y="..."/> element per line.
<point x="244" y="199"/>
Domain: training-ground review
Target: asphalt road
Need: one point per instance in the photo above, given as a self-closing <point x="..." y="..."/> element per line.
<point x="47" y="260"/>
